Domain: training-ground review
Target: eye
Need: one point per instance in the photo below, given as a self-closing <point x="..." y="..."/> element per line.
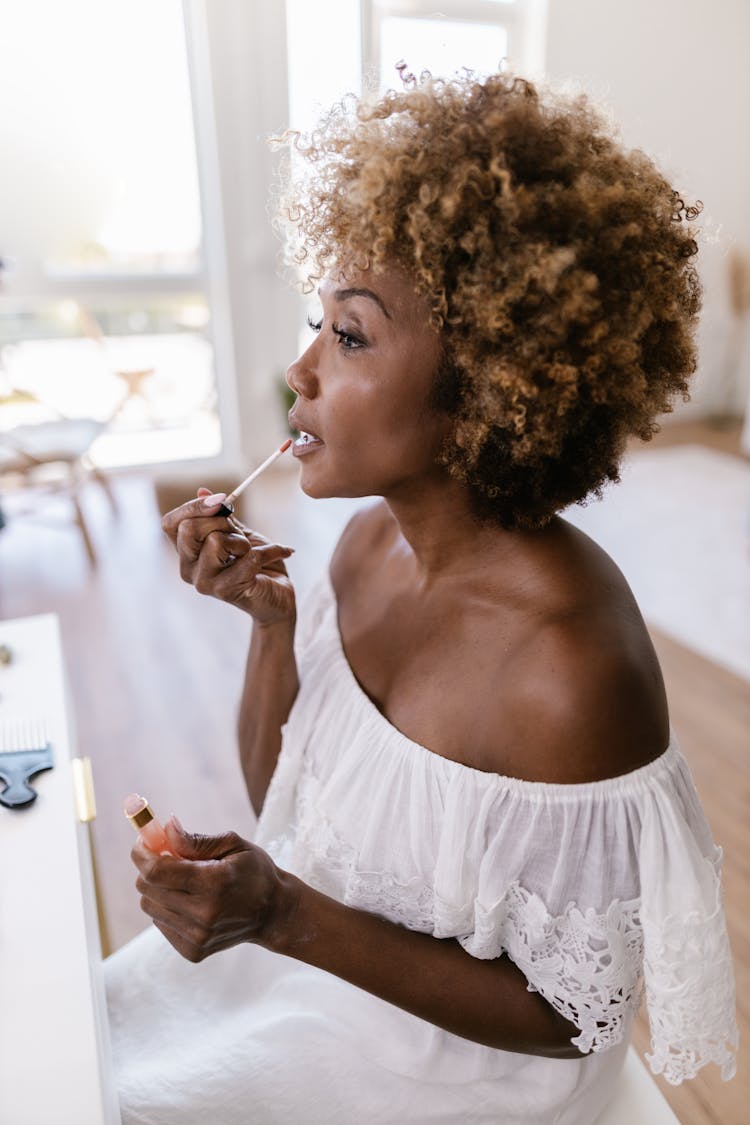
<point x="349" y="342"/>
<point x="315" y="325"/>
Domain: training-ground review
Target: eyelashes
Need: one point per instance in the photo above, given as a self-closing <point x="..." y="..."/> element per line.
<point x="348" y="341"/>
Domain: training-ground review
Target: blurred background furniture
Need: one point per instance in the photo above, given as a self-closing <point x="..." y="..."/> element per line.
<point x="53" y="457"/>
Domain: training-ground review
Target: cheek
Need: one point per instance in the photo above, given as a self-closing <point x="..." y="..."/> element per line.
<point x="405" y="444"/>
<point x="384" y="430"/>
<point x="384" y="415"/>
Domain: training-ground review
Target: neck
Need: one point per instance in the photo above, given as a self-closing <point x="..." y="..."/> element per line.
<point x="444" y="535"/>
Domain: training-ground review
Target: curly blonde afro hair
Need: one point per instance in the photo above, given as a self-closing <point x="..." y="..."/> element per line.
<point x="557" y="265"/>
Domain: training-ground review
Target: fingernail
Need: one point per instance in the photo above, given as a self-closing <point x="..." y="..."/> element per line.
<point x="290" y="550"/>
<point x="212" y="501"/>
<point x="176" y="823"/>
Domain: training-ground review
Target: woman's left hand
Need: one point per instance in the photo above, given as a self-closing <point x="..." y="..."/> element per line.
<point x="216" y="892"/>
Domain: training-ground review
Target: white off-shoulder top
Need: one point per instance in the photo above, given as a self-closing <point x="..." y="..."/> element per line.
<point x="598" y="892"/>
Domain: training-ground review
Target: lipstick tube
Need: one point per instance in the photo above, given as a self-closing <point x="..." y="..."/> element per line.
<point x="141" y="816"/>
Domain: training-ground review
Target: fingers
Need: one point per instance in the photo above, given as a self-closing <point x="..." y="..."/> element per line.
<point x="192" y="532"/>
<point x="173" y="907"/>
<point x="186" y="940"/>
<point x="209" y="538"/>
<point x="194" y="845"/>
<point x="191" y="900"/>
<point x="267" y="553"/>
<point x="194" y="944"/>
<point x="165" y="871"/>
<point x="193" y="869"/>
<point x="219" y="891"/>
<point x="223" y="559"/>
<point x="222" y="570"/>
<point x="190" y="525"/>
<point x="189" y="951"/>
<point x="198" y="921"/>
<point x="206" y="504"/>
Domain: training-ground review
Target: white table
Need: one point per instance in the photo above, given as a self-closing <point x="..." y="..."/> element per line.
<point x="54" y="1039"/>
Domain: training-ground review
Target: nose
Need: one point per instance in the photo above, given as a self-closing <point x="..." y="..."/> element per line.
<point x="301" y="376"/>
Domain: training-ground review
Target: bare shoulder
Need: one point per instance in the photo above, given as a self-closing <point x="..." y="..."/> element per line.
<point x="589" y="700"/>
<point x="590" y="703"/>
<point x="367" y="533"/>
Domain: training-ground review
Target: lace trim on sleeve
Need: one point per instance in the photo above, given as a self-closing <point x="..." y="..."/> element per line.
<point x="586" y="965"/>
<point x="591" y="968"/>
<point x="690" y="994"/>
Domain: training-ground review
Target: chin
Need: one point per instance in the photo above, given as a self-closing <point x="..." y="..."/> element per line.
<point x="318" y="492"/>
<point x="330" y="490"/>
<point x="344" y="480"/>
<point x="317" y="489"/>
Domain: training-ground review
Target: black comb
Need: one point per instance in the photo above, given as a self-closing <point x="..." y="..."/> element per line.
<point x="25" y="751"/>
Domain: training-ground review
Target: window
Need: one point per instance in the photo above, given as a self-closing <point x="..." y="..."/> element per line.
<point x="479" y="35"/>
<point x="436" y="45"/>
<point x="103" y="303"/>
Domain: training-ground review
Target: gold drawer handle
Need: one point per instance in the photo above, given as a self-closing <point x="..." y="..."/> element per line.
<point x="83" y="789"/>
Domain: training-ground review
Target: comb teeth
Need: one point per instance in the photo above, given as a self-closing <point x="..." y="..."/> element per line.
<point x="24" y="752"/>
<point x="22" y="733"/>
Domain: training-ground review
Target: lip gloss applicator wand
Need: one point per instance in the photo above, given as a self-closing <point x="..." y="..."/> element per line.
<point x="227" y="508"/>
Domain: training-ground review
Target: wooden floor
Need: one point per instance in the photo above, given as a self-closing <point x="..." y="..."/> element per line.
<point x="155" y="672"/>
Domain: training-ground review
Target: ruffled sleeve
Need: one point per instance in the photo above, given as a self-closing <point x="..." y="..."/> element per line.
<point x="687" y="962"/>
<point x="591" y="953"/>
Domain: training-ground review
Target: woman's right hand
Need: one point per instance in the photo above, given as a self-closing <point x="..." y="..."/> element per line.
<point x="224" y="559"/>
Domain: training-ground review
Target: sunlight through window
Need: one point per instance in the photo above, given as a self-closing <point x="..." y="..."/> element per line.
<point x="103" y="311"/>
<point x="96" y="124"/>
<point x="442" y="46"/>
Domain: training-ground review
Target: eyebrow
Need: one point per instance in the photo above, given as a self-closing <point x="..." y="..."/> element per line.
<point x="344" y="294"/>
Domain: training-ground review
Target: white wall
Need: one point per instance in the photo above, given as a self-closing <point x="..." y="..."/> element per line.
<point x="676" y="74"/>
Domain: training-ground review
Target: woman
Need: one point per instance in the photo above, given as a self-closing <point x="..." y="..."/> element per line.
<point x="477" y="837"/>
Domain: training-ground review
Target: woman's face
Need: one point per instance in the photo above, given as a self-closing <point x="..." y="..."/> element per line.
<point x="363" y="389"/>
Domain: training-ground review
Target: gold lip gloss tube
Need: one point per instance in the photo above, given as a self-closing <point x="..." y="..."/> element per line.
<point x="139" y="813"/>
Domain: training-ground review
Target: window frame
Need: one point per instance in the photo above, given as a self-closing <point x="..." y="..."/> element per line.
<point x="520" y="19"/>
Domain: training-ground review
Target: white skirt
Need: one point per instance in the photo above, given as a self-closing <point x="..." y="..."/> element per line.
<point x="248" y="1036"/>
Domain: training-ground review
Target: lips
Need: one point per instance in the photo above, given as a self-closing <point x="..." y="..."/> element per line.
<point x="307" y="440"/>
<point x="299" y="424"/>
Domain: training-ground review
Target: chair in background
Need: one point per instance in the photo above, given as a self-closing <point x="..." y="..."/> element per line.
<point x="52" y="457"/>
